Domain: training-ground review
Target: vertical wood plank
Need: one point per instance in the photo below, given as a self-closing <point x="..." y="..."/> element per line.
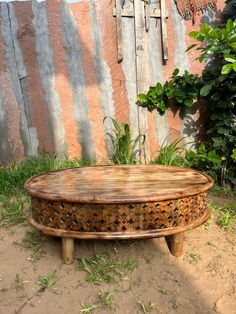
<point x="147" y="16"/>
<point x="164" y="30"/>
<point x="119" y="31"/>
<point x="141" y="81"/>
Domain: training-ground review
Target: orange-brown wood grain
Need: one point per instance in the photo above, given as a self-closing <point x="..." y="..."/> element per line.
<point x="118" y="184"/>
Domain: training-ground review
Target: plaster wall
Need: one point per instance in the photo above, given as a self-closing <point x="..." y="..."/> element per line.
<point x="59" y="77"/>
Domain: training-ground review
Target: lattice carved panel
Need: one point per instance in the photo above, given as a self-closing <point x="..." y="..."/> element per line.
<point x="118" y="217"/>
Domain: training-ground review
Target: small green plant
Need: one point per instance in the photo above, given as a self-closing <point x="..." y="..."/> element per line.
<point x="194" y="257"/>
<point x="131" y="264"/>
<point x="183" y="89"/>
<point x="164" y="291"/>
<point x="221" y="191"/>
<point x="172" y="154"/>
<point x="88" y="308"/>
<point x="47" y="282"/>
<point x="12" y="211"/>
<point x="208" y="224"/>
<point x="13" y="200"/>
<point x="207" y="159"/>
<point x="19" y="282"/>
<point x="225" y="215"/>
<point x="147" y="307"/>
<point x="106" y="298"/>
<point x="174" y="305"/>
<point x="125" y="149"/>
<point x="103" y="268"/>
<point x="33" y="241"/>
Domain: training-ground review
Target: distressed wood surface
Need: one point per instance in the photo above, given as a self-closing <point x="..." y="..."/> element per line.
<point x="153" y="13"/>
<point x="119" y="32"/>
<point x="142" y="78"/>
<point x="118" y="184"/>
<point x="164" y="30"/>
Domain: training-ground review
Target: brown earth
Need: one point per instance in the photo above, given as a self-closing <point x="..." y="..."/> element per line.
<point x="203" y="280"/>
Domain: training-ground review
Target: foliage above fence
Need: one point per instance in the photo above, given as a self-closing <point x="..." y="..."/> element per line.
<point x="218" y="86"/>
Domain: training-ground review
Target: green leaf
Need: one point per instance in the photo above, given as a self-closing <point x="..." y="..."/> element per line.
<point x="233" y="156"/>
<point x="230" y="58"/>
<point x="221" y="78"/>
<point x="222" y="130"/>
<point x="162" y="106"/>
<point x="176" y="72"/>
<point x="229" y="25"/>
<point x="190" y="47"/>
<point x="158" y="86"/>
<point x="232" y="38"/>
<point x="233" y="45"/>
<point x="214" y="157"/>
<point x="202" y="149"/>
<point x="226" y="69"/>
<point x="193" y="34"/>
<point x="188" y="102"/>
<point x="142" y="98"/>
<point x="205" y="90"/>
<point x="234" y="66"/>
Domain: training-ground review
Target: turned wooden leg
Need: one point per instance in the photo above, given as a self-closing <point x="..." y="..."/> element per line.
<point x="68" y="250"/>
<point x="175" y="243"/>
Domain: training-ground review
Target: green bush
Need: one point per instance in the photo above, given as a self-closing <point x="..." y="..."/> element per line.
<point x="218" y="49"/>
<point x="183" y="89"/>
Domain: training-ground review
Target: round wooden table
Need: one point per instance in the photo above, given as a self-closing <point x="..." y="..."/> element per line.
<point x="118" y="202"/>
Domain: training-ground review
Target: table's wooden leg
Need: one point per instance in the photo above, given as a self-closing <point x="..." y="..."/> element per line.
<point x="175" y="243"/>
<point x="68" y="250"/>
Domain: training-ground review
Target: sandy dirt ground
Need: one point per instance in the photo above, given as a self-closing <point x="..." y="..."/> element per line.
<point x="203" y="280"/>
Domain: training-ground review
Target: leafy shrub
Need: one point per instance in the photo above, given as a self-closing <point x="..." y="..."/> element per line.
<point x="218" y="87"/>
<point x="218" y="49"/>
<point x="205" y="159"/>
<point x="125" y="149"/>
<point x="184" y="89"/>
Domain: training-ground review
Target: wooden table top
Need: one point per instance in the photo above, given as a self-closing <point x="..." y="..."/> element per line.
<point x="118" y="184"/>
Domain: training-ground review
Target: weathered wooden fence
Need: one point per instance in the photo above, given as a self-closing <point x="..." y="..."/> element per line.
<point x="60" y="75"/>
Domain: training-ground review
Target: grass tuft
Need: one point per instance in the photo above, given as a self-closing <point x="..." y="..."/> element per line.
<point x="194" y="257"/>
<point x="147" y="307"/>
<point x="103" y="268"/>
<point x="221" y="191"/>
<point x="19" y="282"/>
<point x="106" y="298"/>
<point x="13" y="199"/>
<point x="47" y="282"/>
<point x="32" y="241"/>
<point x="12" y="209"/>
<point x="172" y="154"/>
<point x="131" y="264"/>
<point x="225" y="216"/>
<point x="88" y="308"/>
